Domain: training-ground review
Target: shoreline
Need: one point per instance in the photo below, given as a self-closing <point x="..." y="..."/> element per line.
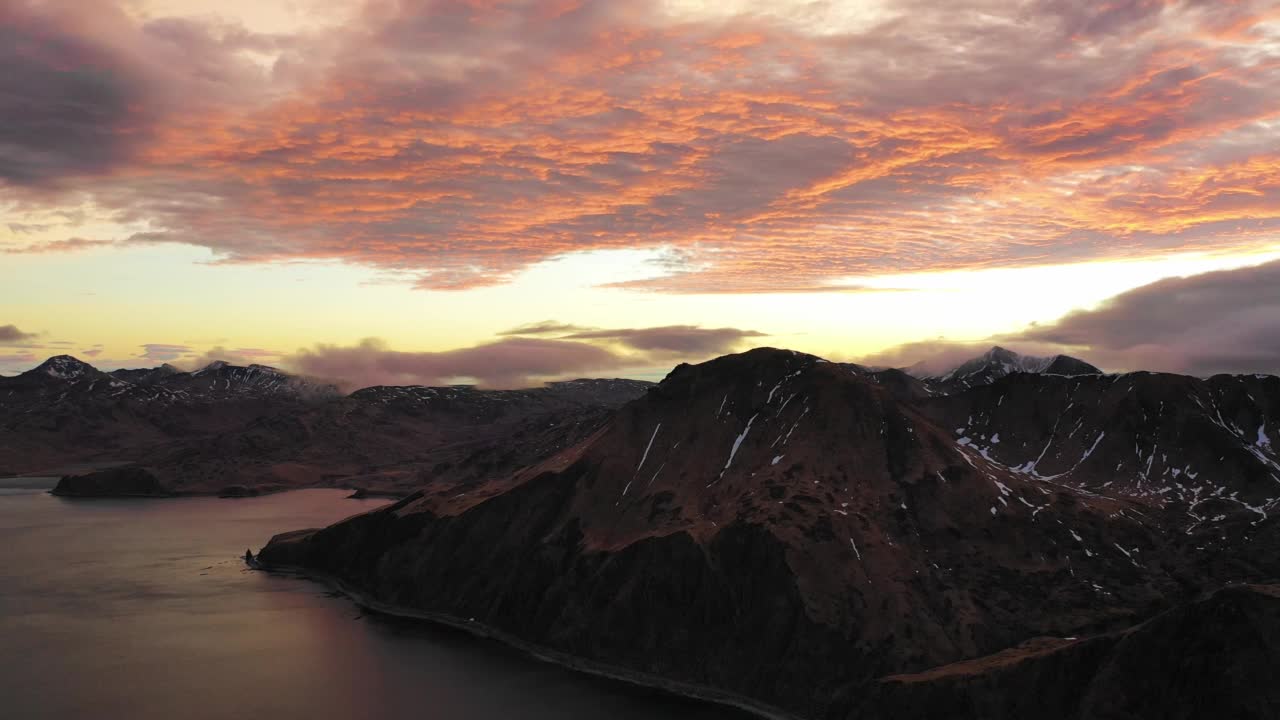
<point x="573" y="663"/>
<point x="177" y="495"/>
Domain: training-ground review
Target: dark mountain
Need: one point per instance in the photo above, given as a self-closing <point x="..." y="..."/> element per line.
<point x="220" y="380"/>
<point x="786" y="533"/>
<point x="63" y="368"/>
<point x="396" y="439"/>
<point x="52" y="377"/>
<point x="257" y="428"/>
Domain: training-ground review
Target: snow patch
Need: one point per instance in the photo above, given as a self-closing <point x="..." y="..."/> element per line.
<point x="737" y="443"/>
<point x="648" y="447"/>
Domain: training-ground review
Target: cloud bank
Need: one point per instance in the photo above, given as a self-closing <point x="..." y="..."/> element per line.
<point x="1219" y="322"/>
<point x="505" y="363"/>
<point x="673" y="340"/>
<point x="522" y="356"/>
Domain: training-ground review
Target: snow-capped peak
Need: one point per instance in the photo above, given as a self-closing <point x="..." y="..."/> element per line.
<point x="64" y="367"/>
<point x="1000" y="362"/>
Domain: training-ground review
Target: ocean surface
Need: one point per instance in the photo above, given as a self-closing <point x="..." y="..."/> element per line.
<point x="143" y="610"/>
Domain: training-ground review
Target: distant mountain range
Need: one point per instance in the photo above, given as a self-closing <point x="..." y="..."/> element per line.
<point x="809" y="539"/>
<point x="241" y="430"/>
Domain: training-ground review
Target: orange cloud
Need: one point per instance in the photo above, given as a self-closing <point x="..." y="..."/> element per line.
<point x="461" y="142"/>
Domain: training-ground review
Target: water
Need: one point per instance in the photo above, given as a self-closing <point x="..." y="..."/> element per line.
<point x="142" y="610"/>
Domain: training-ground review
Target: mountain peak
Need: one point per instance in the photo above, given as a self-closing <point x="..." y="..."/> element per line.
<point x="1067" y="365"/>
<point x="64" y="367"/>
<point x="214" y="366"/>
<point x="999" y="362"/>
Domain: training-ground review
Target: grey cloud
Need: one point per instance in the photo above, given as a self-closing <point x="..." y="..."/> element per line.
<point x="10" y="334"/>
<point x="1219" y="322"/>
<point x="506" y="363"/>
<point x="546" y="327"/>
<point x="1226" y="321"/>
<point x="70" y="103"/>
<point x="678" y="340"/>
<point x="163" y="352"/>
<point x="659" y="342"/>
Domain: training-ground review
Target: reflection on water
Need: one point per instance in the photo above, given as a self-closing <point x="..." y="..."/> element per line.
<point x="141" y="609"/>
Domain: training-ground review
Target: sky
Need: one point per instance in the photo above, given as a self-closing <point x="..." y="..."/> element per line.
<point x="511" y="191"/>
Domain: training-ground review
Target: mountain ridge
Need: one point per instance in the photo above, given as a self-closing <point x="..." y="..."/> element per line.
<point x="246" y="429"/>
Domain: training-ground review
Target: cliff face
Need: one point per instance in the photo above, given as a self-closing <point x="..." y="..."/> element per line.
<point x="791" y="532"/>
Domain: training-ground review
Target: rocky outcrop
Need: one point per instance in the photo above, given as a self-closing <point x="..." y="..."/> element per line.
<point x="129" y="481"/>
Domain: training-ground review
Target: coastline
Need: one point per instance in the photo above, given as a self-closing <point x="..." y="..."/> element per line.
<point x="178" y="494"/>
<point x="564" y="660"/>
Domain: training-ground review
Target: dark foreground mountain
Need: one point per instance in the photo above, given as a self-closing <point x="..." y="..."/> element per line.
<point x="798" y="537"/>
<point x="1212" y="658"/>
<point x="243" y="430"/>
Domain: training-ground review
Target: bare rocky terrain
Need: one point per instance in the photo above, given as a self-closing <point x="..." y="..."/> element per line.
<point x="819" y="540"/>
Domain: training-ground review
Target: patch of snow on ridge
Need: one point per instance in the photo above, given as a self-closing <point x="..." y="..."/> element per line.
<point x="648" y="447"/>
<point x="737" y="443"/>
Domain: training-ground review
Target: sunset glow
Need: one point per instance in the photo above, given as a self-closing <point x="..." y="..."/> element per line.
<point x="254" y="178"/>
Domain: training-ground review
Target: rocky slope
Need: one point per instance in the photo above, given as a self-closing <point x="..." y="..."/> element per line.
<point x="395" y="439"/>
<point x="240" y="430"/>
<point x="795" y="533"/>
<point x="1212" y="658"/>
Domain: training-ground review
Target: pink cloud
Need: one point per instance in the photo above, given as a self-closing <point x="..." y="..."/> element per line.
<point x="74" y="244"/>
<point x="459" y="143"/>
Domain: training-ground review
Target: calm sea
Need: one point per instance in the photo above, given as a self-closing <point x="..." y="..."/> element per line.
<point x="143" y="610"/>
